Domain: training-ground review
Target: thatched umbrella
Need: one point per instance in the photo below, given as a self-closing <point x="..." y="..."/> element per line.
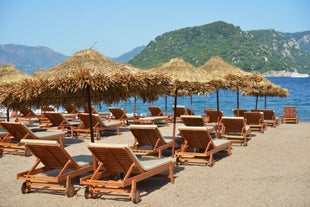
<point x="187" y="79"/>
<point x="259" y="86"/>
<point x="89" y="76"/>
<point x="8" y="74"/>
<point x="217" y="70"/>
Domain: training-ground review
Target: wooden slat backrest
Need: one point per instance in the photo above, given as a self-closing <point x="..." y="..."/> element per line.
<point x="53" y="156"/>
<point x="147" y="135"/>
<point x="197" y="137"/>
<point x="155" y="111"/>
<point x="233" y="124"/>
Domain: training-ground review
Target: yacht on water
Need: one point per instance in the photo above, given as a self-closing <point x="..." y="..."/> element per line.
<point x="299" y="75"/>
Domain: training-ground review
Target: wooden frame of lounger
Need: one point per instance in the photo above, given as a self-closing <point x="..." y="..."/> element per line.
<point x="60" y="122"/>
<point x="121" y="115"/>
<point x="199" y="147"/>
<point x="18" y="131"/>
<point x="270" y="118"/>
<point x="149" y="136"/>
<point x="214" y="116"/>
<point x="155" y="111"/>
<point x="98" y="125"/>
<point x="58" y="169"/>
<point x="116" y="159"/>
<point x="255" y="120"/>
<point x="180" y="110"/>
<point x="27" y="115"/>
<point x="236" y="130"/>
<point x="153" y="120"/>
<point x="289" y="115"/>
<point x="193" y="120"/>
<point x="239" y="112"/>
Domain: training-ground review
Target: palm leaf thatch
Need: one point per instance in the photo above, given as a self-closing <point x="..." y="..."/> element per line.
<point x="216" y="68"/>
<point x="259" y="86"/>
<point x="87" y="59"/>
<point x="187" y="79"/>
<point x="8" y="73"/>
<point x="68" y="82"/>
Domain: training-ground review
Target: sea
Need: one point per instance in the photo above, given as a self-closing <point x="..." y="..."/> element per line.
<point x="299" y="89"/>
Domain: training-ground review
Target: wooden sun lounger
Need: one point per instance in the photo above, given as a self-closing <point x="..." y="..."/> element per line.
<point x="199" y="147"/>
<point x="18" y="131"/>
<point x="59" y="121"/>
<point x="193" y="120"/>
<point x="180" y="110"/>
<point x="236" y="130"/>
<point x="270" y="118"/>
<point x="155" y="111"/>
<point x="54" y="168"/>
<point x="121" y="115"/>
<point x="99" y="125"/>
<point x="213" y="116"/>
<point x="117" y="159"/>
<point x="255" y="120"/>
<point x="152" y="120"/>
<point x="149" y="141"/>
<point x="27" y="115"/>
<point x="71" y="109"/>
<point x="290" y="115"/>
<point x="239" y="112"/>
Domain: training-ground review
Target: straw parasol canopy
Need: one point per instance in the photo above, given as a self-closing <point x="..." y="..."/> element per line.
<point x="260" y="86"/>
<point x="89" y="61"/>
<point x="88" y="77"/>
<point x="9" y="73"/>
<point x="186" y="78"/>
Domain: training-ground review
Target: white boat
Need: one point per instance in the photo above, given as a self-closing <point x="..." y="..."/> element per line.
<point x="299" y="75"/>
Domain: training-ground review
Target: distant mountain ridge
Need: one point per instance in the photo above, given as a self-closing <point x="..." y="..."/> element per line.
<point x="253" y="51"/>
<point x="126" y="57"/>
<point x="28" y="59"/>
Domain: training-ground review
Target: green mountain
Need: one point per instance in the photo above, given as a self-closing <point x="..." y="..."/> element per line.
<point x="253" y="51"/>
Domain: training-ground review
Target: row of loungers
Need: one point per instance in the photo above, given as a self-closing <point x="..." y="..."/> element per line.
<point x="127" y="165"/>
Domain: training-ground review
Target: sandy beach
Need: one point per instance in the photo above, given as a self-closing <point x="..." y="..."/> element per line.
<point x="273" y="170"/>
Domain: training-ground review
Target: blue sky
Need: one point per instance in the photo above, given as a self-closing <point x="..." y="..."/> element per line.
<point x="114" y="27"/>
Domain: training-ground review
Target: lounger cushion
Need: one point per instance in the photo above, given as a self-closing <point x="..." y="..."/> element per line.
<point x="111" y="123"/>
<point x="46" y="134"/>
<point x="83" y="160"/>
<point x="37" y="141"/>
<point x="219" y="142"/>
<point x="152" y="163"/>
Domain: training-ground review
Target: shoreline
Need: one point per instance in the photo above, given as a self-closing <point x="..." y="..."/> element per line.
<point x="273" y="170"/>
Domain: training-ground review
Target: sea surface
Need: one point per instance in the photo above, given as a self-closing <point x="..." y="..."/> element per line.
<point x="299" y="89"/>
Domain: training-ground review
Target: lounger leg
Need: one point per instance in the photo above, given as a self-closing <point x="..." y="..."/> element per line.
<point x="171" y="174"/>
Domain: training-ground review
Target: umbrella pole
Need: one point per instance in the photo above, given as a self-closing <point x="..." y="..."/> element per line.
<point x="265" y="101"/>
<point x="135" y="107"/>
<point x="192" y="102"/>
<point x="7" y="114"/>
<point x="238" y="103"/>
<point x="217" y="100"/>
<point x="174" y="119"/>
<point x="256" y="102"/>
<point x="166" y="104"/>
<point x="218" y="114"/>
<point x="237" y="99"/>
<point x="90" y="114"/>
